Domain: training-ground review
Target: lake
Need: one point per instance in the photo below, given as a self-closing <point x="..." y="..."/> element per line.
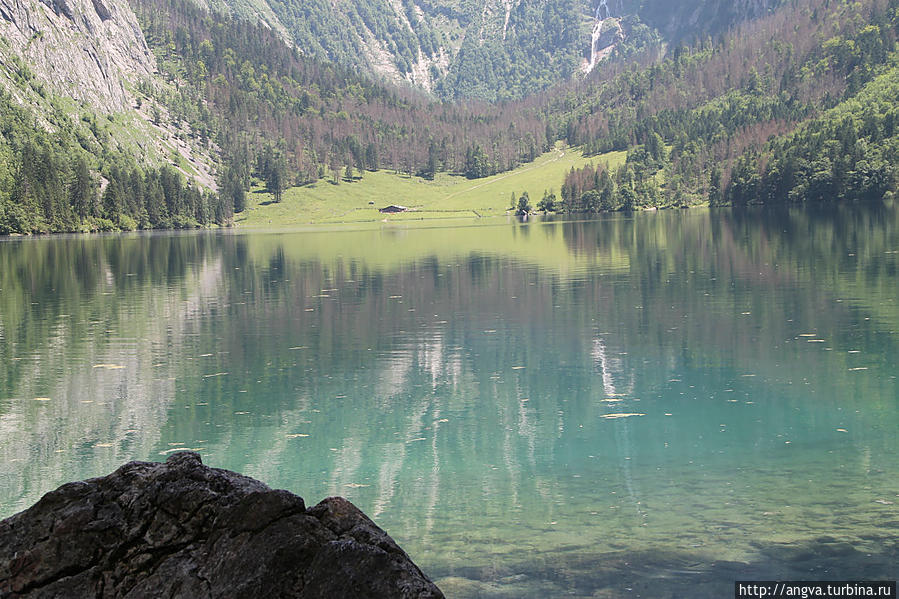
<point x="653" y="405"/>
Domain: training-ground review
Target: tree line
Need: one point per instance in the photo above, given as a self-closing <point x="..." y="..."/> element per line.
<point x="66" y="181"/>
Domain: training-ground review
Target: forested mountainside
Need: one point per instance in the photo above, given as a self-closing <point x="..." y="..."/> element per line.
<point x="456" y="48"/>
<point x="78" y="150"/>
<point x="769" y="113"/>
<point x="796" y="104"/>
<point x="488" y="50"/>
<point x="291" y="120"/>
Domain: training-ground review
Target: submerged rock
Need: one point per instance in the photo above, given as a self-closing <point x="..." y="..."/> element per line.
<point x="182" y="529"/>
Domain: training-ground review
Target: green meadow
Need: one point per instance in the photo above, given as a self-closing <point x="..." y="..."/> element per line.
<point x="446" y="197"/>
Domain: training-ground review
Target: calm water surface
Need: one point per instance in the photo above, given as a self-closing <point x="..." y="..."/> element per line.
<point x="647" y="406"/>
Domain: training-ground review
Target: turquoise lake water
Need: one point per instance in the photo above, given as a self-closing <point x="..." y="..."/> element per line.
<point x="653" y="405"/>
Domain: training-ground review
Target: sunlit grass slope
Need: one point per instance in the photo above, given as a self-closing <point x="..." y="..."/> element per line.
<point x="448" y="196"/>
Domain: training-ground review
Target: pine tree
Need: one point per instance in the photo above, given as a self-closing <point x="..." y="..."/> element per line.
<point x="715" y="187"/>
<point x="277" y="176"/>
<point x="524" y="205"/>
<point x="81" y="189"/>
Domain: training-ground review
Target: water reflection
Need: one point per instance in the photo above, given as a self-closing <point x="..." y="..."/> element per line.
<point x="530" y="409"/>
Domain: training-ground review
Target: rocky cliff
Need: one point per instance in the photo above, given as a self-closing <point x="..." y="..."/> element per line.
<point x="181" y="529"/>
<point x="690" y="19"/>
<point x="83" y="49"/>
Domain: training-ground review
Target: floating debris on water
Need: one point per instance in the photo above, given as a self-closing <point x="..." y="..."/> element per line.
<point x="42" y="399"/>
<point x="621" y="415"/>
<point x="883" y="501"/>
<point x="355" y="485"/>
<point x="109" y="366"/>
<point x="519" y="367"/>
<point x="209" y="376"/>
<point x="103" y="445"/>
<point x="842" y="430"/>
<point x="296" y="435"/>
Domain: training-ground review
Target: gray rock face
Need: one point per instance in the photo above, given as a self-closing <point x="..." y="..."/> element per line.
<point x="84" y="49"/>
<point x="182" y="529"/>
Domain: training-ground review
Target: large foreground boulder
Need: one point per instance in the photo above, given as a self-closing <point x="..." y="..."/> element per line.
<point x="182" y="529"/>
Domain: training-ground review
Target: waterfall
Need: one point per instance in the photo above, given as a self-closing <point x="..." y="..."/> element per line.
<point x="597" y="32"/>
<point x="600" y="49"/>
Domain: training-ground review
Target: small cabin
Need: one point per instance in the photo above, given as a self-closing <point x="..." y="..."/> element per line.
<point x="392" y="209"/>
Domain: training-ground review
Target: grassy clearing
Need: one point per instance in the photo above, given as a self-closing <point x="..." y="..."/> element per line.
<point x="447" y="197"/>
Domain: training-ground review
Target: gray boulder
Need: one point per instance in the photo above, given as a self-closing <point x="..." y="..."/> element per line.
<point x="182" y="529"/>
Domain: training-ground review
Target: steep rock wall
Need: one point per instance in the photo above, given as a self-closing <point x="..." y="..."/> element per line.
<point x="83" y="49"/>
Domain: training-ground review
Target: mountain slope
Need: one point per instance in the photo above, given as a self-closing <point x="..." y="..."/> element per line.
<point x="691" y="20"/>
<point x="80" y="149"/>
<point x="254" y="95"/>
<point x="490" y="50"/>
<point x="714" y="123"/>
<point x="88" y="50"/>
